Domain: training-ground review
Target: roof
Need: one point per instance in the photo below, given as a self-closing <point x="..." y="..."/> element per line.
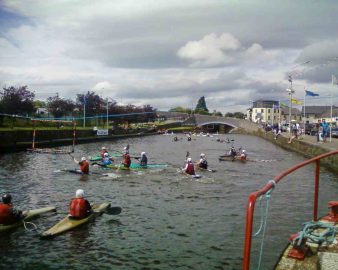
<point x="318" y="110"/>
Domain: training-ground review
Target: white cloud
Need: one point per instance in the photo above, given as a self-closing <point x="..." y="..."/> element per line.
<point x="210" y="50"/>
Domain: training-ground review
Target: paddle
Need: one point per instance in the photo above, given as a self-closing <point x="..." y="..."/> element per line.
<point x="113" y="210"/>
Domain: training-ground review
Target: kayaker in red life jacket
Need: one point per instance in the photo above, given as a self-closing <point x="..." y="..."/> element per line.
<point x="103" y="151"/>
<point x="79" y="207"/>
<point x="189" y="167"/>
<point x="9" y="215"/>
<point x="126" y="158"/>
<point x="243" y="155"/>
<point x="84" y="165"/>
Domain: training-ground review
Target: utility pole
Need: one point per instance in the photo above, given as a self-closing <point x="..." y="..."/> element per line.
<point x="290" y="91"/>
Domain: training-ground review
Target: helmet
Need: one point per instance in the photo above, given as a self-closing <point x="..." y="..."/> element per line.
<point x="243" y="151"/>
<point x="6" y="198"/>
<point x="143" y="153"/>
<point x="202" y="155"/>
<point x="79" y="193"/>
<point x="125" y="148"/>
<point x="103" y="148"/>
<point x="106" y="154"/>
<point x="83" y="158"/>
<point x="189" y="159"/>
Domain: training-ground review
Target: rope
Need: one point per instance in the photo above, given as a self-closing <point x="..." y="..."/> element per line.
<point x="264" y="221"/>
<point x="25" y="223"/>
<point x="328" y="235"/>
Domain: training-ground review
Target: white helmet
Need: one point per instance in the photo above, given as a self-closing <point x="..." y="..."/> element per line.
<point x="103" y="148"/>
<point x="83" y="158"/>
<point x="125" y="148"/>
<point x="106" y="154"/>
<point x="202" y="155"/>
<point x="79" y="193"/>
<point x="189" y="159"/>
<point x="243" y="151"/>
<point x="143" y="153"/>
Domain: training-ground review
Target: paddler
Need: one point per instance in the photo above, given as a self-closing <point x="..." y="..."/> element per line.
<point x="189" y="167"/>
<point x="203" y="163"/>
<point x="79" y="207"/>
<point x="9" y="215"/>
<point x="243" y="155"/>
<point x="232" y="152"/>
<point x="143" y="159"/>
<point x="84" y="165"/>
<point x="107" y="160"/>
<point x="103" y="151"/>
<point x="126" y="158"/>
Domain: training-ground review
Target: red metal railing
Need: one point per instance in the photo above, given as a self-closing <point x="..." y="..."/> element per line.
<point x="253" y="197"/>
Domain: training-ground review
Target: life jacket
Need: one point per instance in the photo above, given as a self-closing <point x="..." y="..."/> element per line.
<point x="144" y="161"/>
<point x="203" y="164"/>
<point x="6" y="215"/>
<point x="190" y="169"/>
<point x="84" y="166"/>
<point x="126" y="160"/>
<point x="78" y="208"/>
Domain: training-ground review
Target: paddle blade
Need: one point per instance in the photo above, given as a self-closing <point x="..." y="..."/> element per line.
<point x="113" y="210"/>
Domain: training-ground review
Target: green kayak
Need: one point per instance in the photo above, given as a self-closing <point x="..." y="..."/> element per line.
<point x="67" y="224"/>
<point x="99" y="157"/>
<point x="29" y="214"/>
<point x="133" y="166"/>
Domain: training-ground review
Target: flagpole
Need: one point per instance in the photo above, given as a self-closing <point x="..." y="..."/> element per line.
<point x="331" y="108"/>
<point x="304" y="109"/>
<point x="84" y="111"/>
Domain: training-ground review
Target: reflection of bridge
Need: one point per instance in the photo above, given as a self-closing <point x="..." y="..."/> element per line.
<point x="222" y="123"/>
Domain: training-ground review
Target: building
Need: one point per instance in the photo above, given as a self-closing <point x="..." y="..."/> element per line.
<point x="314" y="113"/>
<point x="264" y="111"/>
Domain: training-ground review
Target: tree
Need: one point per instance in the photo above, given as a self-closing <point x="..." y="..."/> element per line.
<point x="60" y="107"/>
<point x="94" y="103"/>
<point x="180" y="110"/>
<point x="239" y="115"/>
<point x="17" y="100"/>
<point x="201" y="106"/>
<point x="39" y="104"/>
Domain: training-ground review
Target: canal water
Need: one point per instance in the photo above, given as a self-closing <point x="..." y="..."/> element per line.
<point x="168" y="220"/>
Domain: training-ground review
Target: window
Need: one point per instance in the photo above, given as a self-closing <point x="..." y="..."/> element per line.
<point x="268" y="110"/>
<point x="262" y="110"/>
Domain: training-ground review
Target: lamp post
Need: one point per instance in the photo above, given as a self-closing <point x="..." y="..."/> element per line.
<point x="290" y="91"/>
<point x="107" y="111"/>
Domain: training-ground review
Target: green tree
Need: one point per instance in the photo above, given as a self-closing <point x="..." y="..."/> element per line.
<point x="60" y="107"/>
<point x="39" y="104"/>
<point x="17" y="100"/>
<point x="180" y="110"/>
<point x="201" y="106"/>
<point x="239" y="115"/>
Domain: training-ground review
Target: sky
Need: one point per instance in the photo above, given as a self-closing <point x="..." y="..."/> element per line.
<point x="170" y="53"/>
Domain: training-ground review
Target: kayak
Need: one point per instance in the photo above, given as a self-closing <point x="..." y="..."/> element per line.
<point x="205" y="170"/>
<point x="99" y="157"/>
<point x="230" y="158"/>
<point x="29" y="214"/>
<point x="67" y="224"/>
<point x="81" y="173"/>
<point x="133" y="166"/>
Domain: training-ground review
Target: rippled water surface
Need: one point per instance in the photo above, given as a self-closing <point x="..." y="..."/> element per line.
<point x="168" y="221"/>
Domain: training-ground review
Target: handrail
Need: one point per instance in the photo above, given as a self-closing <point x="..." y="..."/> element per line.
<point x="254" y="195"/>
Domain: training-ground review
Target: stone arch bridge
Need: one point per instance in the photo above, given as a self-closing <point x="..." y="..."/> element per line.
<point x="218" y="123"/>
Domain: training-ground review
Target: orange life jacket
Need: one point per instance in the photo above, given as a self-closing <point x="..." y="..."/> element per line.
<point x="78" y="208"/>
<point x="6" y="215"/>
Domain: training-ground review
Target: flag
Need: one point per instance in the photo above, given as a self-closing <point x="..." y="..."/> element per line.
<point x="296" y="101"/>
<point x="334" y="80"/>
<point x="283" y="104"/>
<point x="84" y="100"/>
<point x="311" y="94"/>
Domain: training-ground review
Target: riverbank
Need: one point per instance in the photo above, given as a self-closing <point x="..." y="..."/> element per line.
<point x="306" y="145"/>
<point x="20" y="140"/>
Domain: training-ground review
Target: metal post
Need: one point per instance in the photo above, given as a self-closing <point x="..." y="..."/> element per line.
<point x="107" y="112"/>
<point x="84" y="111"/>
<point x="315" y="201"/>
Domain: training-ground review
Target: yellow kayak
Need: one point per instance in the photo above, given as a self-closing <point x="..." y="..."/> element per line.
<point x="67" y="224"/>
<point x="29" y="214"/>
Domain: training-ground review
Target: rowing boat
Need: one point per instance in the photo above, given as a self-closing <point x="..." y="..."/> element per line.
<point x="67" y="223"/>
<point x="29" y="214"/>
<point x="230" y="158"/>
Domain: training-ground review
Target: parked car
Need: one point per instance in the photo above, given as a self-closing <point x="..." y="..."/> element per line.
<point x="334" y="132"/>
<point x="284" y="127"/>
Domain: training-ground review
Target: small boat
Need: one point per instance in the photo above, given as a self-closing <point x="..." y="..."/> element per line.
<point x="67" y="223"/>
<point x="81" y="173"/>
<point x="29" y="214"/>
<point x="99" y="157"/>
<point x="231" y="158"/>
